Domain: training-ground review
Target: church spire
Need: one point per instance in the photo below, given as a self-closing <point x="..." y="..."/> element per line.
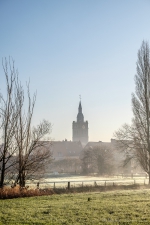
<point x="80" y="117"/>
<point x="80" y="107"/>
<point x="79" y="127"/>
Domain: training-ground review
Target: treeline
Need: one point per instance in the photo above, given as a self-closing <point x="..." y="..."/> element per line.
<point x="98" y="159"/>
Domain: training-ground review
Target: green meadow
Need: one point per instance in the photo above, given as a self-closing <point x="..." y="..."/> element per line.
<point x="113" y="207"/>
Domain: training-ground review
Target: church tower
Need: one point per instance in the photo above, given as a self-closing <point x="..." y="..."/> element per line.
<point x="80" y="128"/>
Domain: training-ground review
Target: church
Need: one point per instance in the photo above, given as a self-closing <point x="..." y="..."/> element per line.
<point x="72" y="149"/>
<point x="80" y="128"/>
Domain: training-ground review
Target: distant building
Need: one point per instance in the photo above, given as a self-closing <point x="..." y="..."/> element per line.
<point x="80" y="128"/>
<point x="65" y="149"/>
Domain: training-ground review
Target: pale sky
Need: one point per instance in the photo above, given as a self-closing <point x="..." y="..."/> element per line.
<point x="69" y="48"/>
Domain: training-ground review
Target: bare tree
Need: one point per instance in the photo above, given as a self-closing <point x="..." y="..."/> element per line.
<point x="33" y="151"/>
<point x="23" y="149"/>
<point x="8" y="118"/>
<point x="134" y="139"/>
<point x="97" y="159"/>
<point x="87" y="161"/>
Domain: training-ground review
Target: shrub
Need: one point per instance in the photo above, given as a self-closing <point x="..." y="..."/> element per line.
<point x="17" y="192"/>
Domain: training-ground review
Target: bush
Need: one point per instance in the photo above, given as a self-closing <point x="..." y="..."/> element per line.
<point x="17" y="192"/>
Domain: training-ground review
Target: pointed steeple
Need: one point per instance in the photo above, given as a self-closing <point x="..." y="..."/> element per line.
<point x="80" y="108"/>
<point x="80" y="117"/>
<point x="79" y="127"/>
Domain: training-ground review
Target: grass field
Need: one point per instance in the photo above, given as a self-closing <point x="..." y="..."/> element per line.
<point x="113" y="207"/>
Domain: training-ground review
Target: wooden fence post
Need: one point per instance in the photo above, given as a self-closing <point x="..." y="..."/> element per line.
<point x="68" y="185"/>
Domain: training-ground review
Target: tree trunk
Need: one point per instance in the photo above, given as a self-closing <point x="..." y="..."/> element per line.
<point x="149" y="170"/>
<point x="22" y="179"/>
<point x="2" y="179"/>
<point x="2" y="173"/>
